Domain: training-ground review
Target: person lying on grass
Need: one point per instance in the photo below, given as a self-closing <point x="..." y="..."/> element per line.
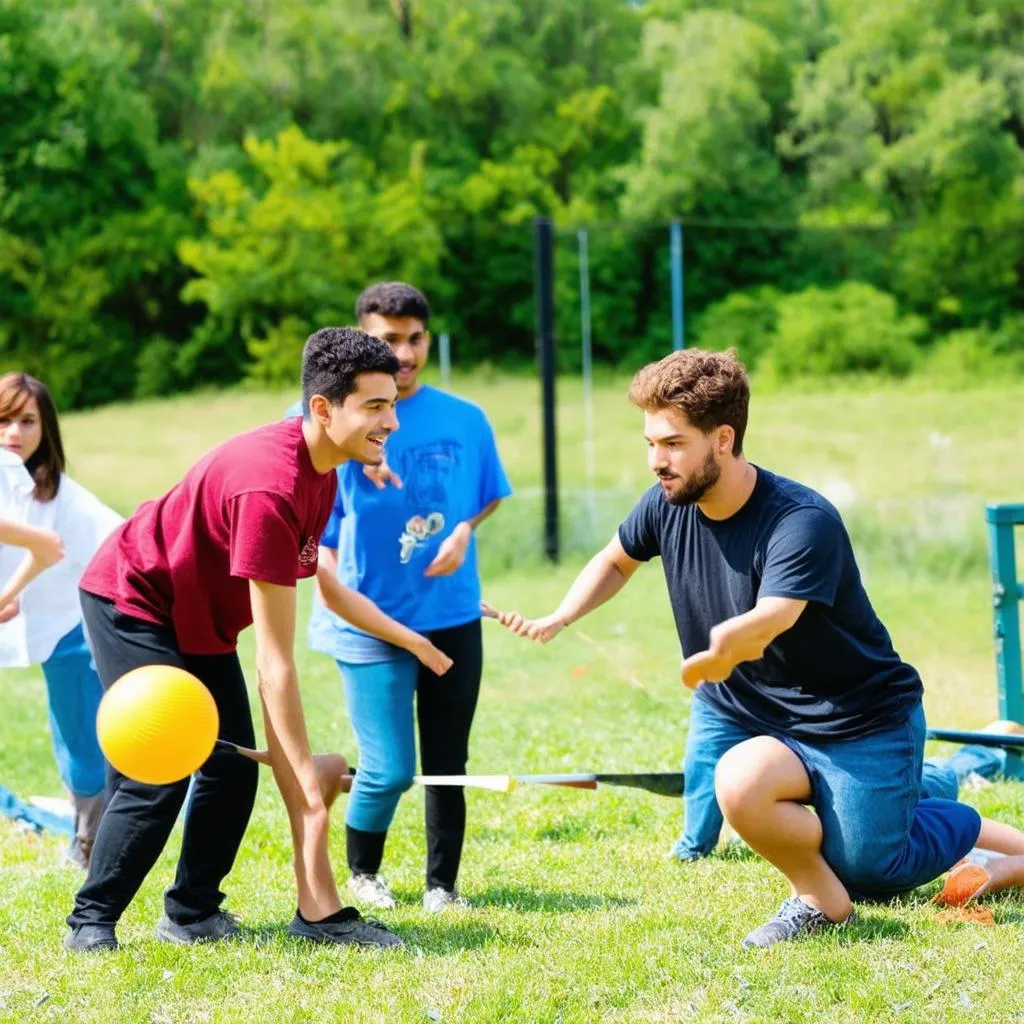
<point x="801" y="700"/>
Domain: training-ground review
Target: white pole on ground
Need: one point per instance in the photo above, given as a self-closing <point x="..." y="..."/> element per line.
<point x="588" y="373"/>
<point x="444" y="351"/>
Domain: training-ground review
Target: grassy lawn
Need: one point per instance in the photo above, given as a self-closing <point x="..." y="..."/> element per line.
<point x="580" y="915"/>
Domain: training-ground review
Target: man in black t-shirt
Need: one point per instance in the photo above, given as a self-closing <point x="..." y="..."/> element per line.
<point x="801" y="697"/>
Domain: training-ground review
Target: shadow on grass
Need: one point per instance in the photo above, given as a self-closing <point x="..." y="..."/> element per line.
<point x="444" y="937"/>
<point x="538" y="901"/>
<point x="872" y="929"/>
<point x="438" y="938"/>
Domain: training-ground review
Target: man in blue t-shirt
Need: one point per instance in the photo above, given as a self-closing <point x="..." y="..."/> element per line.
<point x="800" y="697"/>
<point x="404" y="537"/>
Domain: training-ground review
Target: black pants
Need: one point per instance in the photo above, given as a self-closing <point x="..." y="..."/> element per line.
<point x="138" y="818"/>
<point x="445" y="706"/>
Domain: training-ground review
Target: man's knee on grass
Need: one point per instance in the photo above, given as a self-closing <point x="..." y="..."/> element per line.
<point x="754" y="776"/>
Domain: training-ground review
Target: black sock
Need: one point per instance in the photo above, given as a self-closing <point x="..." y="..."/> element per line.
<point x="365" y="850"/>
<point x="340" y="916"/>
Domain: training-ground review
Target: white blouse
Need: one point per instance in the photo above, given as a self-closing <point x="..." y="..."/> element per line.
<point x="49" y="607"/>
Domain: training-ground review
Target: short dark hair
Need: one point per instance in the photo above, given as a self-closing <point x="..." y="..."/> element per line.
<point x="47" y="462"/>
<point x="710" y="388"/>
<point x="334" y="357"/>
<point x="393" y="298"/>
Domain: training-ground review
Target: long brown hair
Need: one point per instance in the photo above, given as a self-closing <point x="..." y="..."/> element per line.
<point x="47" y="462"/>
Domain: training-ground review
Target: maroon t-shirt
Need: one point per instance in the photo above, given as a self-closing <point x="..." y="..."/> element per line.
<point x="252" y="509"/>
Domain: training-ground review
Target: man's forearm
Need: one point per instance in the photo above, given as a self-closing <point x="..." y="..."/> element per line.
<point x="599" y="581"/>
<point x="360" y="611"/>
<point x="745" y="637"/>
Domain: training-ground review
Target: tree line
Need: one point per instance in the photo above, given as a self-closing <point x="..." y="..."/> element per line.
<point x="188" y="187"/>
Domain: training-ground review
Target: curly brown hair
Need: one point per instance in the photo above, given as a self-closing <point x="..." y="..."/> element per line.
<point x="710" y="388"/>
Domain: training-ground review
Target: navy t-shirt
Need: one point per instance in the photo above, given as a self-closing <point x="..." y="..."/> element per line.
<point x="834" y="674"/>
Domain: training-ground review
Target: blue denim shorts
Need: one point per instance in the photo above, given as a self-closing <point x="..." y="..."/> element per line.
<point x="880" y="837"/>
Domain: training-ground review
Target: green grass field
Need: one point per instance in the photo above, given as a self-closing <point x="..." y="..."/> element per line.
<point x="579" y="914"/>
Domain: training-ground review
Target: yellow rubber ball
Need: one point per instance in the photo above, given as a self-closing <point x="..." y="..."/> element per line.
<point x="157" y="724"/>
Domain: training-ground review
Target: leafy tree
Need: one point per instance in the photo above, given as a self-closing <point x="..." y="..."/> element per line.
<point x="86" y="240"/>
<point x="292" y="253"/>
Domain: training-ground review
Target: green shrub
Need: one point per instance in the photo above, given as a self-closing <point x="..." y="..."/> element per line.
<point x="978" y="354"/>
<point x="277" y="356"/>
<point x="746" y="321"/>
<point x="853" y="328"/>
<point x="155" y="369"/>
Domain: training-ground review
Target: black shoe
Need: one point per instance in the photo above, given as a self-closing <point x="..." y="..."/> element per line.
<point x="346" y="928"/>
<point x="91" y="938"/>
<point x="215" y="928"/>
<point x="795" y="918"/>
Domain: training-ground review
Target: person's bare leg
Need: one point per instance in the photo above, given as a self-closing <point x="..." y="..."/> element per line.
<point x="1000" y="838"/>
<point x="761" y="786"/>
<point x="970" y="878"/>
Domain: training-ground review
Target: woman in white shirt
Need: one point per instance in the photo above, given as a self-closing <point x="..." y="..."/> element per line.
<point x="44" y="627"/>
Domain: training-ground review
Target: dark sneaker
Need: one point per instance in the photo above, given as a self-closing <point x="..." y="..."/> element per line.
<point x="214" y="928"/>
<point x="795" y="918"/>
<point x="91" y="938"/>
<point x="346" y="928"/>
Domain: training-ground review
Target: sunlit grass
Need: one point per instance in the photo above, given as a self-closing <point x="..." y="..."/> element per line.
<point x="580" y="915"/>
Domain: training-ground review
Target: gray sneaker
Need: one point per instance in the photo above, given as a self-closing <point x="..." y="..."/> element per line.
<point x="348" y="928"/>
<point x="795" y="918"/>
<point x="437" y="899"/>
<point x="91" y="938"/>
<point x="214" y="928"/>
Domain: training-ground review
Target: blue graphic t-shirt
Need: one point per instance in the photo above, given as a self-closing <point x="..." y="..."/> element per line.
<point x="445" y="453"/>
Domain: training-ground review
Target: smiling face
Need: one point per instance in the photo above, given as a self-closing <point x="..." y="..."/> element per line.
<point x="686" y="461"/>
<point x="359" y="426"/>
<point x="410" y="342"/>
<point x="21" y="429"/>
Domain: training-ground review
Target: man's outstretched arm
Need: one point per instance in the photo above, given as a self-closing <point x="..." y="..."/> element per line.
<point x="273" y="610"/>
<point x="600" y="580"/>
<point x="741" y="638"/>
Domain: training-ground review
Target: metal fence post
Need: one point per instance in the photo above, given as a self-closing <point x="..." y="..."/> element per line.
<point x="1006" y="596"/>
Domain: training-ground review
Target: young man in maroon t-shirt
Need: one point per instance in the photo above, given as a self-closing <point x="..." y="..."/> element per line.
<point x="175" y="585"/>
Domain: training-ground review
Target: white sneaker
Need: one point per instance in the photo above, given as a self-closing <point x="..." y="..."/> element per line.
<point x="438" y="899"/>
<point x="372" y="891"/>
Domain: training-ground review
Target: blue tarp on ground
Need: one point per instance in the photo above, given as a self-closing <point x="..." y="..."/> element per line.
<point x="13" y="807"/>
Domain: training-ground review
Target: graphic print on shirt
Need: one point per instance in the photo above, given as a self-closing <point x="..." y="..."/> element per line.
<point x="309" y="553"/>
<point x="426" y="471"/>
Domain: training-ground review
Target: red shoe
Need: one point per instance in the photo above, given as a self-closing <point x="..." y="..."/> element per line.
<point x="963" y="884"/>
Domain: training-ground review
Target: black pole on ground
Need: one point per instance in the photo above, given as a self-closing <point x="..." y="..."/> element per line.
<point x="544" y="266"/>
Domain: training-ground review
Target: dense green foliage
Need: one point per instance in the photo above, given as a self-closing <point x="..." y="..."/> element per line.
<point x="187" y="187"/>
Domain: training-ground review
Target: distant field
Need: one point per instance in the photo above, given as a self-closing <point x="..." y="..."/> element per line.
<point x="580" y="917"/>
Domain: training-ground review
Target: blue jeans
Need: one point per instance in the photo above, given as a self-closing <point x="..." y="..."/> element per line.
<point x="887" y="826"/>
<point x="74" y="691"/>
<point x="380" y="697"/>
